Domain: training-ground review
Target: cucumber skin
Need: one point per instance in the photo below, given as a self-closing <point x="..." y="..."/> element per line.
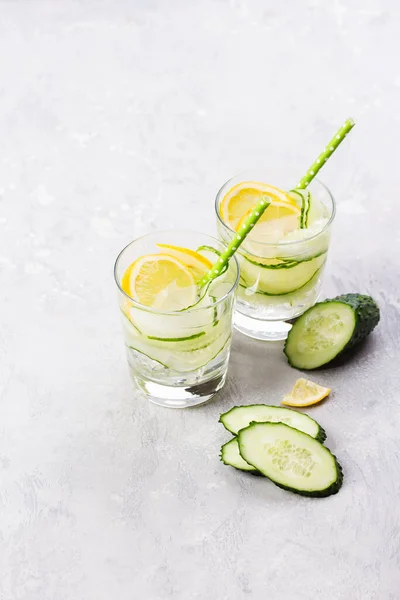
<point x="367" y="316"/>
<point x="329" y="491"/>
<point x="321" y="436"/>
<point x="252" y="470"/>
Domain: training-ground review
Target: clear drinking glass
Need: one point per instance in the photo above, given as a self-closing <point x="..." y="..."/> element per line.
<point x="179" y="359"/>
<point x="279" y="281"/>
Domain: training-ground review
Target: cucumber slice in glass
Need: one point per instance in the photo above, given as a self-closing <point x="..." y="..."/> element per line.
<point x="303" y="199"/>
<point x="309" y="291"/>
<point x="185" y="360"/>
<point x="277" y="282"/>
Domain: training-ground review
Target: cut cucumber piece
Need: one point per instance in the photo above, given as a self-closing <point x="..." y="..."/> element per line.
<point x="175" y="325"/>
<point x="239" y="417"/>
<point x="207" y="251"/>
<point x="230" y="456"/>
<point x="276" y="282"/>
<point x="330" y="328"/>
<point x="272" y="263"/>
<point x="291" y="459"/>
<point x="305" y="295"/>
<point x="177" y="339"/>
<point x="303" y="199"/>
<point x="181" y="361"/>
<point x="254" y="289"/>
<point x="212" y="254"/>
<point x="215" y="319"/>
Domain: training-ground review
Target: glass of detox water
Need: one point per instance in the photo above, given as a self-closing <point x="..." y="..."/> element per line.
<point x="177" y="333"/>
<point x="282" y="260"/>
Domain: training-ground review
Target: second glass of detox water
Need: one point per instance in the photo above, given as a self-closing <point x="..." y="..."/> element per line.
<point x="179" y="358"/>
<point x="281" y="273"/>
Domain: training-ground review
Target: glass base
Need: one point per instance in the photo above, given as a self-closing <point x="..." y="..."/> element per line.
<point x="179" y="396"/>
<point x="269" y="331"/>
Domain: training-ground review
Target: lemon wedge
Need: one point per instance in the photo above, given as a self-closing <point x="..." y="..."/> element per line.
<point x="305" y="393"/>
<point x="161" y="282"/>
<point x="241" y="198"/>
<point x="198" y="264"/>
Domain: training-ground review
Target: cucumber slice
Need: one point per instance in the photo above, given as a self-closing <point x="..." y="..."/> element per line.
<point x="127" y="323"/>
<point x="291" y="459"/>
<point x="230" y="456"/>
<point x="305" y="295"/>
<point x="207" y="251"/>
<point x="330" y="328"/>
<point x="215" y="313"/>
<point x="177" y="339"/>
<point x="144" y="358"/>
<point x="181" y="361"/>
<point x="273" y="263"/>
<point x="276" y="282"/>
<point x="181" y="324"/>
<point x="239" y="417"/>
<point x="212" y="254"/>
<point x="303" y="198"/>
<point x="183" y="342"/>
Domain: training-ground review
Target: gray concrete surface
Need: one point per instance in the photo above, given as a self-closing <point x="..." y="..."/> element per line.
<point x="118" y="118"/>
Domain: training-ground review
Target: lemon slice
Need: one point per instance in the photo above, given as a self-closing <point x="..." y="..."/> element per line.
<point x="242" y="197"/>
<point x="198" y="264"/>
<point x="161" y="282"/>
<point x="305" y="393"/>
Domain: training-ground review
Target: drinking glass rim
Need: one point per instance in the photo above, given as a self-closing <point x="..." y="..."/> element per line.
<point x="188" y="309"/>
<point x="275" y="244"/>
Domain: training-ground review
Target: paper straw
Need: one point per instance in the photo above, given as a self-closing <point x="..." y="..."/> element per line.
<point x="255" y="214"/>
<point x="323" y="157"/>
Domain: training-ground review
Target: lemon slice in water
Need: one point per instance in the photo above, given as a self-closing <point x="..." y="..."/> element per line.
<point x="198" y="264"/>
<point x="161" y="282"/>
<point x="242" y="197"/>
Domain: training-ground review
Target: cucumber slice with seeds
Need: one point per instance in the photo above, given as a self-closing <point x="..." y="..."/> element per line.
<point x="330" y="328"/>
<point x="291" y="459"/>
<point x="239" y="417"/>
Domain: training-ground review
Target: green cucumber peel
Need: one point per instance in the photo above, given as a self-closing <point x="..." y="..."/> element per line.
<point x="181" y="339"/>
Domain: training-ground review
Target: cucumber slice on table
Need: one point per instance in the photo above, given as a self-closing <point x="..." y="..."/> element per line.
<point x="330" y="328"/>
<point x="230" y="456"/>
<point x="239" y="417"/>
<point x="291" y="459"/>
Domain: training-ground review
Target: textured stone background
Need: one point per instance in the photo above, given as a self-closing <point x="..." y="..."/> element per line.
<point x="121" y="117"/>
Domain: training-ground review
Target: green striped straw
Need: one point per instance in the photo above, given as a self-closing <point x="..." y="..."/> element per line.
<point x="261" y="207"/>
<point x="256" y="213"/>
